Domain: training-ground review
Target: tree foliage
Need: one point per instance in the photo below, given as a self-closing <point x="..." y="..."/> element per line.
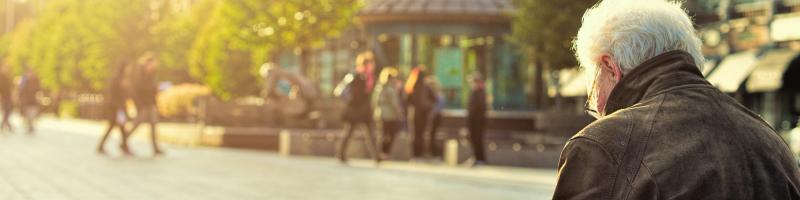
<point x="241" y="34"/>
<point x="72" y="44"/>
<point x="174" y="34"/>
<point x="545" y="29"/>
<point x="75" y="44"/>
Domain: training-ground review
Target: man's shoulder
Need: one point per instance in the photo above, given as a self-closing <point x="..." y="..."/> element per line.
<point x="613" y="131"/>
<point x="606" y="132"/>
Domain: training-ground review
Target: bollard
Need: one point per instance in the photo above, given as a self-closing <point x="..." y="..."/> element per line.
<point x="284" y="143"/>
<point x="451" y="152"/>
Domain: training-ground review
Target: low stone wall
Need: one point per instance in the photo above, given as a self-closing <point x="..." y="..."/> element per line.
<point x="524" y="149"/>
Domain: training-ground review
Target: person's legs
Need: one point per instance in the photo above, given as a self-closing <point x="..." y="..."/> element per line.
<point x="27" y="112"/>
<point x="33" y="112"/>
<point x="476" y="138"/>
<point x="433" y="147"/>
<point x="153" y="120"/>
<point x="124" y="145"/>
<point x="6" y="124"/>
<point x="111" y="124"/>
<point x="371" y="142"/>
<point x="349" y="126"/>
<point x="390" y="129"/>
<point x="420" y="124"/>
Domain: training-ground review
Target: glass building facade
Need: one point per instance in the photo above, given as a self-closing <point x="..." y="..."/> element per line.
<point x="452" y="39"/>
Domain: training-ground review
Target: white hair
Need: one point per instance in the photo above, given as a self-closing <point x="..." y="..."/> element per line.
<point x="633" y="31"/>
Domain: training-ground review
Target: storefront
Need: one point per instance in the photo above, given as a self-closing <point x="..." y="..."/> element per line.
<point x="453" y="40"/>
<point x="763" y="44"/>
<point x="774" y="80"/>
<point x="777" y="92"/>
<point x="324" y="65"/>
<point x="739" y="43"/>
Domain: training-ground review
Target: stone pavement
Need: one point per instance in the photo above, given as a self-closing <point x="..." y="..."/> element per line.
<point x="58" y="162"/>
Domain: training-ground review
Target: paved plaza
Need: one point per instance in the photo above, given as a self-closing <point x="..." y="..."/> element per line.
<point x="59" y="162"/>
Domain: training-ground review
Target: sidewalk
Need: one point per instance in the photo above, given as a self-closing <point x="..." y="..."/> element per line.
<point x="190" y="135"/>
<point x="58" y="162"/>
<point x="182" y="134"/>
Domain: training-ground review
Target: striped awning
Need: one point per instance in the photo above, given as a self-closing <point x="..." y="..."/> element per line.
<point x="732" y="71"/>
<point x="768" y="74"/>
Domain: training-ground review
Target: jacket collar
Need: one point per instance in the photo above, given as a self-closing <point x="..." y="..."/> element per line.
<point x="654" y="76"/>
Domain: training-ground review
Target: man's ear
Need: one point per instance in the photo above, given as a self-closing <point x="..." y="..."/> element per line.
<point x="608" y="64"/>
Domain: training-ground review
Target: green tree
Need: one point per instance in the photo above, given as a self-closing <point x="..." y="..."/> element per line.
<point x="13" y="16"/>
<point x="174" y="34"/>
<point x="73" y="44"/>
<point x="545" y="29"/>
<point x="241" y="34"/>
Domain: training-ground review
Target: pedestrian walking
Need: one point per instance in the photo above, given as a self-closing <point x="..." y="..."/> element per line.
<point x="144" y="91"/>
<point x="663" y="131"/>
<point x="476" y="118"/>
<point x="358" y="110"/>
<point x="114" y="109"/>
<point x="422" y="99"/>
<point x="29" y="87"/>
<point x="389" y="109"/>
<point x="6" y="100"/>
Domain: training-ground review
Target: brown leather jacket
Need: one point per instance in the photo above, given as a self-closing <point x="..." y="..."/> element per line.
<point x="669" y="134"/>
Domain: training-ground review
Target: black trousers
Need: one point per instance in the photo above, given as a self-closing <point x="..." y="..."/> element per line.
<point x="113" y="123"/>
<point x="421" y="117"/>
<point x="434" y="146"/>
<point x="476" y="130"/>
<point x="351" y="126"/>
<point x="390" y="129"/>
<point x="7" y="109"/>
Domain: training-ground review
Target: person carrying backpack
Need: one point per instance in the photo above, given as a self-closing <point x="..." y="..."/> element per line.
<point x="358" y="110"/>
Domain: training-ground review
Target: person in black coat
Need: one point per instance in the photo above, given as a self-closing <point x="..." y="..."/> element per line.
<point x="358" y="111"/>
<point x="476" y="118"/>
<point x="144" y="92"/>
<point x="423" y="99"/>
<point x="113" y="108"/>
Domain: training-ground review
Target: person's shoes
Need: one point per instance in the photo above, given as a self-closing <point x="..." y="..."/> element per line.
<point x="433" y="160"/>
<point x="158" y="152"/>
<point x="383" y="156"/>
<point x="125" y="150"/>
<point x="342" y="159"/>
<point x="479" y="163"/>
<point x="422" y="160"/>
<point x="378" y="159"/>
<point x="101" y="150"/>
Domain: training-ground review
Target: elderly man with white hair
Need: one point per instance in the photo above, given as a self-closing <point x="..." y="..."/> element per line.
<point x="664" y="132"/>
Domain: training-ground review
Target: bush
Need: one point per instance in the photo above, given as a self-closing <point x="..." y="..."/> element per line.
<point x="179" y="101"/>
<point x="68" y="108"/>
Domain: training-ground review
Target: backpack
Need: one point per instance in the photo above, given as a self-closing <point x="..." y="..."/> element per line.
<point x="342" y="90"/>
